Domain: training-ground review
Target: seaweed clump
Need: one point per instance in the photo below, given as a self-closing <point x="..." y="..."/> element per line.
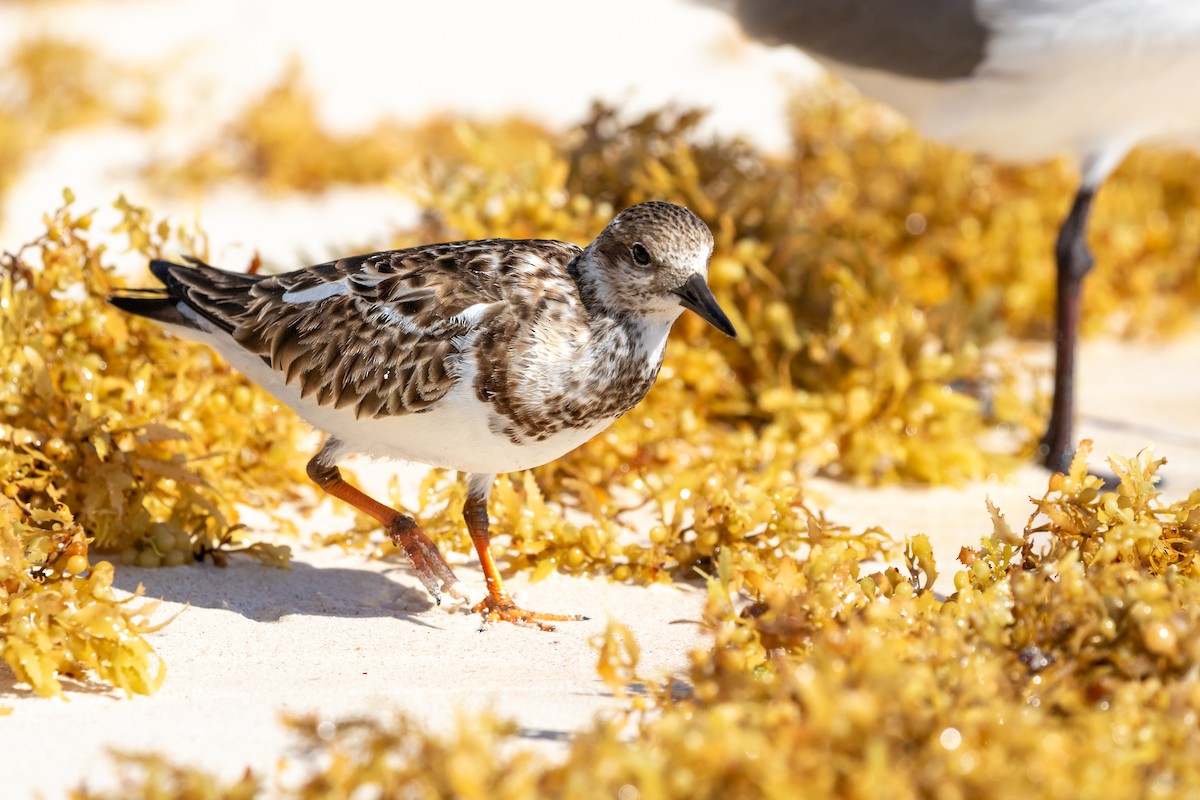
<point x="89" y="461"/>
<point x="274" y="143"/>
<point x="59" y="615"/>
<point x="1064" y="665"/>
<point x="280" y="142"/>
<point x="974" y="239"/>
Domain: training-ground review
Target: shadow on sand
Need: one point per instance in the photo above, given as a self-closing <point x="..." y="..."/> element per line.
<point x="265" y="594"/>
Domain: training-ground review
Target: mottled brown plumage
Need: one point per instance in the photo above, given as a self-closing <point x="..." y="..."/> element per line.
<point x="484" y="356"/>
<point x="346" y="349"/>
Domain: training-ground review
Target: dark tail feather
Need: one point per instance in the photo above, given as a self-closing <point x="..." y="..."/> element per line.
<point x="216" y="295"/>
<point x="162" y="270"/>
<point x="156" y="306"/>
<point x="161" y="305"/>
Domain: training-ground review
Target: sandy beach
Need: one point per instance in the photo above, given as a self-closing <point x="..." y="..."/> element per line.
<point x="339" y="634"/>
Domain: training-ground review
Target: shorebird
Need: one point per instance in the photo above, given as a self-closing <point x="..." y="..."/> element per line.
<point x="1021" y="81"/>
<point x="483" y="356"/>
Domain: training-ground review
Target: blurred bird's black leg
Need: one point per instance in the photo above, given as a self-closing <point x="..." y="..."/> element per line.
<point x="1074" y="261"/>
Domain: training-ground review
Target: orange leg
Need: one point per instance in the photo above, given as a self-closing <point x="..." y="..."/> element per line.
<point x="498" y="605"/>
<point x="427" y="560"/>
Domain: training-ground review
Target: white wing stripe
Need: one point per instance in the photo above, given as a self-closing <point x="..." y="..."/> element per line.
<point x="315" y="294"/>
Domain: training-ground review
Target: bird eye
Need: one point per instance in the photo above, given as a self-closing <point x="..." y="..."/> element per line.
<point x="641" y="255"/>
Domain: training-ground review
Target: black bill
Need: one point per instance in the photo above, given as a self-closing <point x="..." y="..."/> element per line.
<point x="696" y="296"/>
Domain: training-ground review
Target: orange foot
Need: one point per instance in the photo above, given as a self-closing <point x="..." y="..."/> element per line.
<point x="501" y="608"/>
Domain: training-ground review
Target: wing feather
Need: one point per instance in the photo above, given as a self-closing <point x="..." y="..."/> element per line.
<point x="380" y="332"/>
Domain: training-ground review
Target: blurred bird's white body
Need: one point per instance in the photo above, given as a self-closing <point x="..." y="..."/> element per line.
<point x="1081" y="77"/>
<point x="1089" y="78"/>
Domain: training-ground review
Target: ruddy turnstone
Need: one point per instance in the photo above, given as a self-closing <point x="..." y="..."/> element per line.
<point x="483" y="356"/>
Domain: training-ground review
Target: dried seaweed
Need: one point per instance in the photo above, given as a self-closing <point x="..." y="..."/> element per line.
<point x="59" y="615"/>
<point x="111" y="439"/>
<point x="1064" y="666"/>
<point x="280" y="142"/>
<point x="154" y="778"/>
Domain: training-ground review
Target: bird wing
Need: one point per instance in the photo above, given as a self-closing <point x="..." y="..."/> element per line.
<point x="381" y="332"/>
<point x="933" y="39"/>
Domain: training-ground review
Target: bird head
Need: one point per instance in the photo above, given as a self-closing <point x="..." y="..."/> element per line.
<point x="652" y="261"/>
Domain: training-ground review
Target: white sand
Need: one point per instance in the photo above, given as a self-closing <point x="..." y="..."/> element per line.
<point x="338" y="634"/>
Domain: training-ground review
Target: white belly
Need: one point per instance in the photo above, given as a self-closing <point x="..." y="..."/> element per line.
<point x="456" y="433"/>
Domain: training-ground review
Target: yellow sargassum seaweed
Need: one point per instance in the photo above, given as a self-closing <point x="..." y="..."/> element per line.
<point x="69" y="625"/>
<point x="1063" y="666"/>
<point x="113" y="438"/>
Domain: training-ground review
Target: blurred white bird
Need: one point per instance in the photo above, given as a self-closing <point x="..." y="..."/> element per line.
<point x="1019" y="80"/>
